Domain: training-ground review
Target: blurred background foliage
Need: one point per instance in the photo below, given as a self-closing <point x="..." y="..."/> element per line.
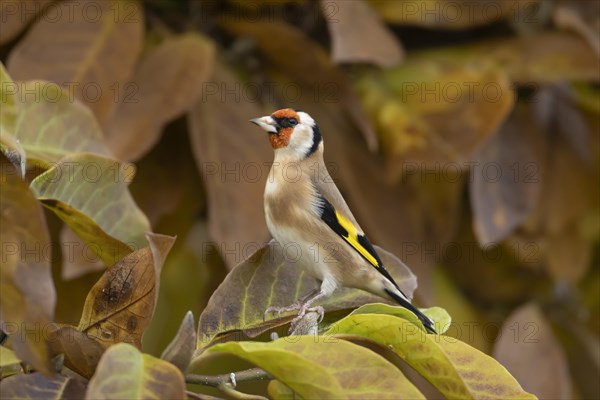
<point x="464" y="135"/>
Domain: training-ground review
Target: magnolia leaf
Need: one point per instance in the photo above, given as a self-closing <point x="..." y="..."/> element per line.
<point x="90" y="194"/>
<point x="38" y="386"/>
<point x="440" y="14"/>
<point x="453" y="367"/>
<point x="91" y="54"/>
<point x="179" y="352"/>
<point x="81" y="352"/>
<point x="9" y="110"/>
<point x="315" y="367"/>
<point x="125" y="373"/>
<point x="51" y="124"/>
<point x="167" y="81"/>
<point x="234" y="162"/>
<point x="429" y="115"/>
<point x="269" y="278"/>
<point x="16" y="15"/>
<point x="440" y="316"/>
<point x="358" y="35"/>
<point x="527" y="344"/>
<point x="313" y="78"/>
<point x="120" y="305"/>
<point x="27" y="291"/>
<point x="506" y="177"/>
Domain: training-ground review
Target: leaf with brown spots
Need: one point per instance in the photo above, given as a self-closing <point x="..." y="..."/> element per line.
<point x="27" y="294"/>
<point x="457" y="370"/>
<point x="125" y="373"/>
<point x="120" y="305"/>
<point x="38" y="386"/>
<point x="269" y="278"/>
<point x="93" y="54"/>
<point x="528" y="344"/>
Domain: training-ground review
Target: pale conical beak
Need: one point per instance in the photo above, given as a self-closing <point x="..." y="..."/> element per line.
<point x="267" y="123"/>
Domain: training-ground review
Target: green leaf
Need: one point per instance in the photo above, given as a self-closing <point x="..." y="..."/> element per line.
<point x="27" y="295"/>
<point x="317" y="367"/>
<point x="125" y="373"/>
<point x="440" y="316"/>
<point x="90" y="194"/>
<point x="51" y="124"/>
<point x="457" y="370"/>
<point x="268" y="278"/>
<point x="37" y="386"/>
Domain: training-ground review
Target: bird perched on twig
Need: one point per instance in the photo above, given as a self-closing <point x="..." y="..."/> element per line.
<point x="304" y="208"/>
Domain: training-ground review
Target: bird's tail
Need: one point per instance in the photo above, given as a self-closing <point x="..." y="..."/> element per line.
<point x="427" y="322"/>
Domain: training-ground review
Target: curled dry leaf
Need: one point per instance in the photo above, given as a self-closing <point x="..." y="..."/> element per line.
<point x="358" y="35"/>
<point x="268" y="278"/>
<point x="166" y="83"/>
<point x="38" y="386"/>
<point x="125" y="373"/>
<point x="453" y="367"/>
<point x="27" y="291"/>
<point x="179" y="352"/>
<point x="234" y="161"/>
<point x="347" y="371"/>
<point x="90" y="194"/>
<point x="120" y="305"/>
<point x="92" y="54"/>
<point x="528" y="344"/>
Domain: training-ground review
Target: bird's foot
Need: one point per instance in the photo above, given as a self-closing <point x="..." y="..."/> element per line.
<point x="303" y="310"/>
<point x="278" y="310"/>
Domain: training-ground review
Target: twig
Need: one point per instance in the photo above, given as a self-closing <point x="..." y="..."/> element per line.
<point x="228" y="389"/>
<point x="252" y="374"/>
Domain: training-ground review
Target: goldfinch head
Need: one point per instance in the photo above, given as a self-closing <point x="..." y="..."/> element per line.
<point x="291" y="131"/>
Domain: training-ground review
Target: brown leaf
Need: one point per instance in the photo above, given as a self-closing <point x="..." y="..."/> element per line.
<point x="313" y="77"/>
<point x="120" y="305"/>
<point x="91" y="48"/>
<point x="81" y="352"/>
<point x="179" y="352"/>
<point x="528" y="344"/>
<point x="506" y="177"/>
<point x="16" y="15"/>
<point x="234" y="162"/>
<point x="167" y="82"/>
<point x="358" y="35"/>
<point x="38" y="386"/>
<point x="582" y="17"/>
<point x="269" y="278"/>
<point x="27" y="291"/>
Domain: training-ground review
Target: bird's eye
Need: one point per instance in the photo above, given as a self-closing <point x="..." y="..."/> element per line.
<point x="293" y="121"/>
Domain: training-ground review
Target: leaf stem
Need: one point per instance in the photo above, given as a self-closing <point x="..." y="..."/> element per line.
<point x="252" y="374"/>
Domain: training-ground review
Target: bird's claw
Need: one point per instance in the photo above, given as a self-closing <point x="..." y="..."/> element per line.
<point x="279" y="310"/>
<point x="318" y="309"/>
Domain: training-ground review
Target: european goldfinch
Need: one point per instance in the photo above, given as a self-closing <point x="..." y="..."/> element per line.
<point x="304" y="208"/>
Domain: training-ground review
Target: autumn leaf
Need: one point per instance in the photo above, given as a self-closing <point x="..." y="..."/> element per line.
<point x="38" y="386"/>
<point x="93" y="53"/>
<point x="27" y="292"/>
<point x="125" y="373"/>
<point x="120" y="305"/>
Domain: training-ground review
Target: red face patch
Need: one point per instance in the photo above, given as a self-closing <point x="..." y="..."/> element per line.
<point x="282" y="137"/>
